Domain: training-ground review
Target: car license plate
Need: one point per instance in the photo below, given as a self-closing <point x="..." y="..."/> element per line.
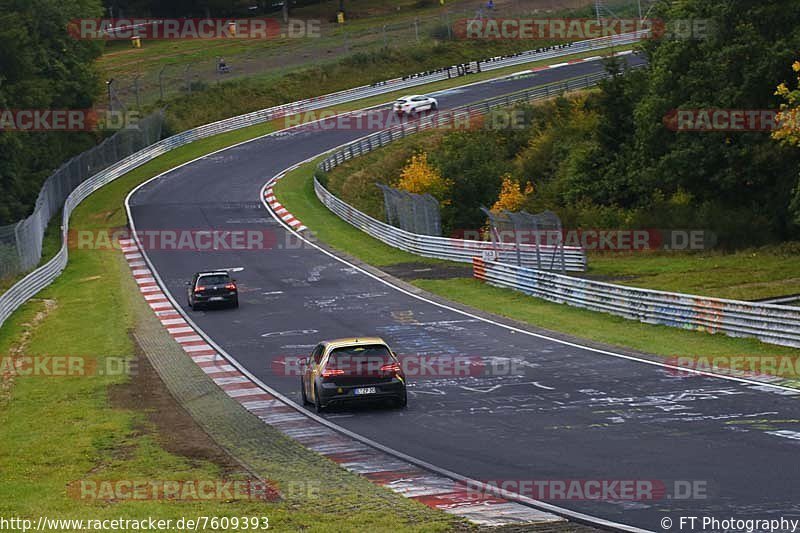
<point x="216" y="299"/>
<point x="365" y="390"/>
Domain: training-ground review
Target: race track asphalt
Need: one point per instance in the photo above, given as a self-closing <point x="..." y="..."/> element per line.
<point x="564" y="413"/>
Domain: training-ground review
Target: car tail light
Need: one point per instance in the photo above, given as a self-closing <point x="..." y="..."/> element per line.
<point x="391" y="367"/>
<point x="199" y="289"/>
<point x="328" y="372"/>
<point x="231" y="286"/>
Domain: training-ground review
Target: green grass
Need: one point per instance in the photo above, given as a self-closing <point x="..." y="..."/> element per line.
<point x="58" y="430"/>
<point x="251" y="94"/>
<point x="599" y="327"/>
<point x="298" y="191"/>
<point x="746" y="275"/>
<point x="52" y="240"/>
<point x="295" y="192"/>
<point x="371" y="26"/>
<point x="751" y="274"/>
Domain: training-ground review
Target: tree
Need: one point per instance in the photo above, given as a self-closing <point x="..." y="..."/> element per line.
<point x="788" y="120"/>
<point x="42" y="67"/>
<point x="511" y="197"/>
<point x="474" y="160"/>
<point x="788" y="130"/>
<point x="421" y="178"/>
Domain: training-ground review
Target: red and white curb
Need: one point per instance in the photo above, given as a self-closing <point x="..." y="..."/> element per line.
<point x="282" y="212"/>
<point x="565" y="63"/>
<point x="400" y="476"/>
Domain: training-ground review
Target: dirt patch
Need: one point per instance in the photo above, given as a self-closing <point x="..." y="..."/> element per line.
<point x="19" y="348"/>
<point x="177" y="432"/>
<point x="418" y="270"/>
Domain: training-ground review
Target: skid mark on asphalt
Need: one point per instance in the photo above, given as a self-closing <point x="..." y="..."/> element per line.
<point x="343" y="302"/>
<point x="381" y="468"/>
<point x="501" y="385"/>
<point x="290" y="333"/>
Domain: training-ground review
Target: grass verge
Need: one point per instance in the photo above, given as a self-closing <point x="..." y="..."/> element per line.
<point x="754" y="274"/>
<point x="295" y="192"/>
<point x="61" y="429"/>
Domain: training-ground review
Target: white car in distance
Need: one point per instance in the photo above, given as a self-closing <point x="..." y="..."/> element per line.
<point x="411" y="105"/>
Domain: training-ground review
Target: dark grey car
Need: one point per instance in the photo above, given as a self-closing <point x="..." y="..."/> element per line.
<point x="212" y="288"/>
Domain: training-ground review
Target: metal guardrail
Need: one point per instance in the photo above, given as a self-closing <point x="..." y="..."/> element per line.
<point x="574" y="259"/>
<point x="774" y="324"/>
<point x="451" y="118"/>
<point x="38" y="279"/>
<point x="453" y="71"/>
<point x="460" y="250"/>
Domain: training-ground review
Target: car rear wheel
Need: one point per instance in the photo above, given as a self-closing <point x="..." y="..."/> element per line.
<point x="303" y="391"/>
<point x="235" y="303"/>
<point x="402" y="402"/>
<point x="317" y="404"/>
<point x="433" y="107"/>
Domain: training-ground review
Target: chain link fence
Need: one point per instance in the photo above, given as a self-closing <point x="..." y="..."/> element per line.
<point x="417" y="213"/>
<point x="541" y="232"/>
<point x="131" y="87"/>
<point x="21" y="242"/>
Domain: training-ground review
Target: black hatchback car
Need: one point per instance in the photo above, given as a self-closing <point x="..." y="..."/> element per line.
<point x="351" y="370"/>
<point x="212" y="288"/>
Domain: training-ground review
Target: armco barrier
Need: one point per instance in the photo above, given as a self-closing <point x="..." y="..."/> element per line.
<point x="442" y="247"/>
<point x="775" y="324"/>
<point x="445" y="73"/>
<point x="566" y="258"/>
<point x="27" y="287"/>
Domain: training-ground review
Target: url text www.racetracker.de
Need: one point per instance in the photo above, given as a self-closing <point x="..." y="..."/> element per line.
<point x="196" y="523"/>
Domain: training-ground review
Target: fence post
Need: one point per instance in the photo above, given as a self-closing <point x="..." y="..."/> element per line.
<point x="186" y="78"/>
<point x="161" y="82"/>
<point x="136" y="90"/>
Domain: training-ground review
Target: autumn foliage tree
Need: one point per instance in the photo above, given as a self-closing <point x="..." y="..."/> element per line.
<point x="419" y="177"/>
<point x="511" y="197"/>
<point x="788" y="129"/>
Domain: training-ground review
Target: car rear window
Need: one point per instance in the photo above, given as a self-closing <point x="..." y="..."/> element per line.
<point x="221" y="279"/>
<point x="359" y="360"/>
